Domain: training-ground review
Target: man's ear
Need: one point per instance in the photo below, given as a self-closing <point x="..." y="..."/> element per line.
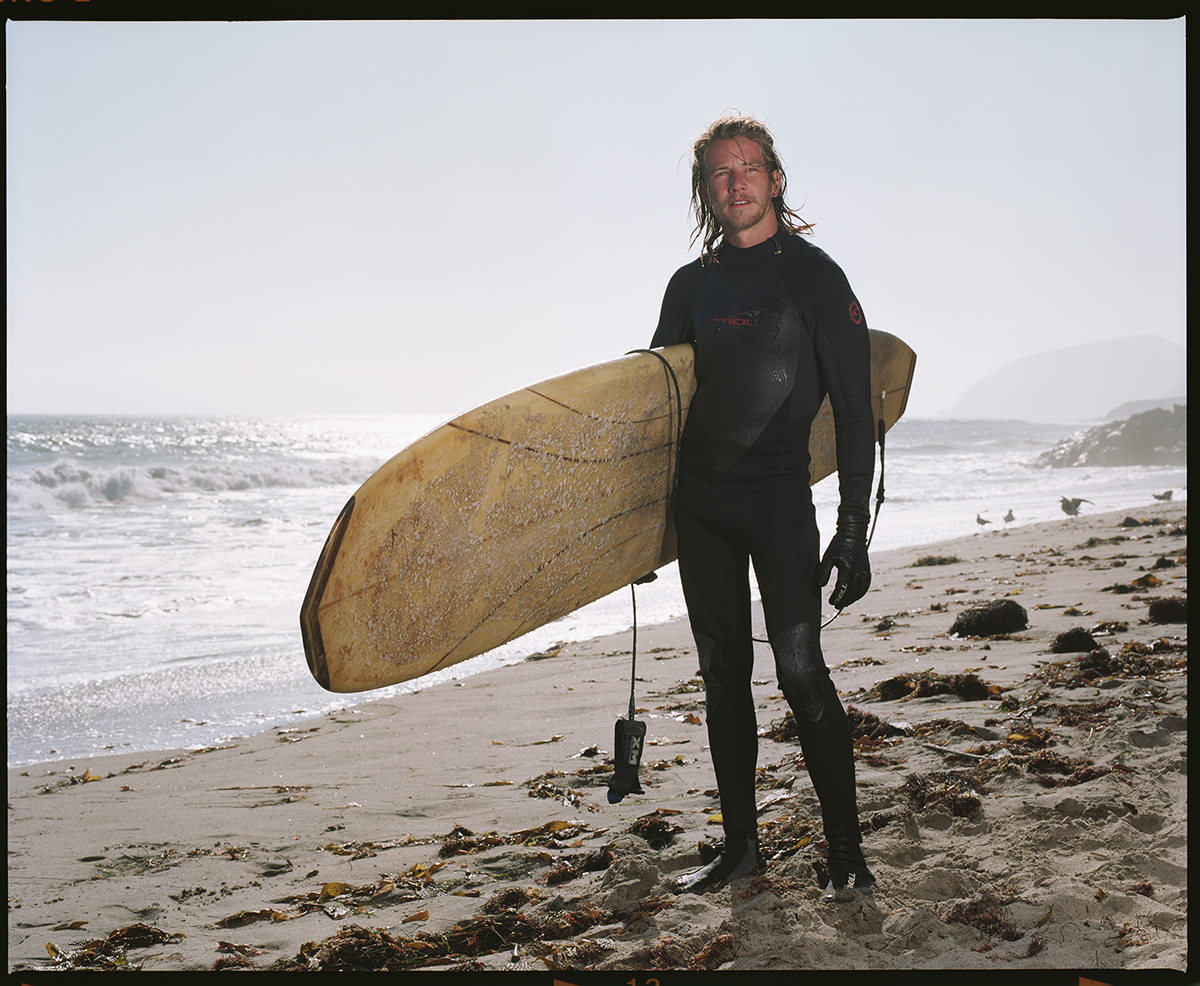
<point x="776" y="183"/>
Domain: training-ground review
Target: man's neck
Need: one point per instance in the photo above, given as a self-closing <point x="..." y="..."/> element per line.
<point x="760" y="233"/>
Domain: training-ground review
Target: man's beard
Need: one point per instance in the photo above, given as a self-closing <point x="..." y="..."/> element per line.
<point x="736" y="220"/>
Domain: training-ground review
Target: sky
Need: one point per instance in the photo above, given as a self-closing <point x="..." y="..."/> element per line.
<point x="327" y="217"/>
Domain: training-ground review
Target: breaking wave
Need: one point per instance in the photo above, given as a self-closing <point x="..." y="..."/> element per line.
<point x="67" y="483"/>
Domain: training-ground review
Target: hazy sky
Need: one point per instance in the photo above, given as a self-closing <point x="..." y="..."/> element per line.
<point x="374" y="216"/>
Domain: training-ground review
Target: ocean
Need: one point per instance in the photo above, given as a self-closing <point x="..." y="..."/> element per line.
<point x="156" y="565"/>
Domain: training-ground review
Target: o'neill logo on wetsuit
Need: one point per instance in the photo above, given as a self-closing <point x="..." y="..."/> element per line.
<point x="855" y="313"/>
<point x="741" y="318"/>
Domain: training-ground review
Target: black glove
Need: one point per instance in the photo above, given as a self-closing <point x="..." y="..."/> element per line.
<point x="847" y="552"/>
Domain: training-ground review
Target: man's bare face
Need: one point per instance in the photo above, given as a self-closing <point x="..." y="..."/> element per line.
<point x="740" y="191"/>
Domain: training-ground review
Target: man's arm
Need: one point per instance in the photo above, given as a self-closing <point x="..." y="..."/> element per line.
<point x="673" y="326"/>
<point x="844" y="354"/>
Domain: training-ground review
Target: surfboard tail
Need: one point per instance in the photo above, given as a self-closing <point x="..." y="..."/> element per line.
<point x="310" y="619"/>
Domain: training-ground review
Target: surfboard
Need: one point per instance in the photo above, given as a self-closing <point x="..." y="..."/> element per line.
<point x="519" y="512"/>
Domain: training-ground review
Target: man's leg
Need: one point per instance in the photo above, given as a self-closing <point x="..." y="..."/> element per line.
<point x="716" y="585"/>
<point x="828" y="746"/>
<point x="785" y="560"/>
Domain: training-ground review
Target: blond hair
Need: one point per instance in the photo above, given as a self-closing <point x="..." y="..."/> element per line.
<point x="708" y="229"/>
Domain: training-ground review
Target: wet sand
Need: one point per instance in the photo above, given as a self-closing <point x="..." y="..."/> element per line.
<point x="1024" y="809"/>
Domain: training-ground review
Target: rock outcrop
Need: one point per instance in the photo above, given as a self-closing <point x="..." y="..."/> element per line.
<point x="1157" y="437"/>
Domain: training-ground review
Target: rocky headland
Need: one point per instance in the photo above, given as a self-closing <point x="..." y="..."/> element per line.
<point x="1157" y="437"/>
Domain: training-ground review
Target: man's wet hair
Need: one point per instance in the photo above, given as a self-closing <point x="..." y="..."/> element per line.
<point x="708" y="230"/>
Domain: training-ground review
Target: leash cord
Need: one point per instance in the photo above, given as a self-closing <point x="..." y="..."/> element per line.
<point x="633" y="651"/>
<point x="879" y="490"/>
<point x="651" y="576"/>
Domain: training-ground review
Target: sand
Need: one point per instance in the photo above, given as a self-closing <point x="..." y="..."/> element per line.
<point x="1038" y="822"/>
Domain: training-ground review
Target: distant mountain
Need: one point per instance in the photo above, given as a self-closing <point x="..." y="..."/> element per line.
<point x="1079" y="383"/>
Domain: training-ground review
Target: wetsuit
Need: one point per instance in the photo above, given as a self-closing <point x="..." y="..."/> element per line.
<point x="775" y="327"/>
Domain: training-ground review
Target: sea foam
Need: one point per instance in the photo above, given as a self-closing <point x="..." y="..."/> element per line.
<point x="67" y="483"/>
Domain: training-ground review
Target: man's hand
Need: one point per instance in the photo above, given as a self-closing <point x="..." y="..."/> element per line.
<point x="847" y="552"/>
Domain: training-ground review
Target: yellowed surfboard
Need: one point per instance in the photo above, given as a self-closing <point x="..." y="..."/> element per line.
<point x="517" y="513"/>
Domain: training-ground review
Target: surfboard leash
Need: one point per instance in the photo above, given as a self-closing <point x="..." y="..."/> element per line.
<point x="651" y="576"/>
<point x="629" y="735"/>
<point x="633" y="652"/>
<point x="678" y="443"/>
<point x="879" y="489"/>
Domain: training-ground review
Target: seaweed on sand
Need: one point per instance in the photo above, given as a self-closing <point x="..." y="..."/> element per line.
<point x="110" y="952"/>
<point x="462" y="841"/>
<point x="957" y="793"/>
<point x="574" y="866"/>
<point x="785" y="836"/>
<point x="655" y="829"/>
<point x="864" y="726"/>
<point x="868" y="729"/>
<point x="988" y="914"/>
<point x="923" y="684"/>
<point x="1135" y="660"/>
<point x="995" y="618"/>
<point x="925" y="560"/>
<point x="358" y="949"/>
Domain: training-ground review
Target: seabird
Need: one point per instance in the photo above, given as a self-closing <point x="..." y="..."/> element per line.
<point x="1163" y="496"/>
<point x="1009" y="518"/>
<point x="1071" y="506"/>
<point x="980" y="521"/>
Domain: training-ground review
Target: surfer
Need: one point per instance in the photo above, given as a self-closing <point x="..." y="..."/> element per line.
<point x="775" y="328"/>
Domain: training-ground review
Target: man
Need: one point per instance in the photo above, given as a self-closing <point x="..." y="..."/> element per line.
<point x="775" y="327"/>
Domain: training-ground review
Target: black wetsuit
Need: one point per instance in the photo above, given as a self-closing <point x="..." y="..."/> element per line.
<point x="775" y="328"/>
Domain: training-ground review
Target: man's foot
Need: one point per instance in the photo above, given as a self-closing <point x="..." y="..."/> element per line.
<point x="739" y="859"/>
<point x="846" y="875"/>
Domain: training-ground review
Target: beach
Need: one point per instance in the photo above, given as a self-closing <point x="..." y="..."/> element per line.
<point x="1023" y="809"/>
<point x="156" y="565"/>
